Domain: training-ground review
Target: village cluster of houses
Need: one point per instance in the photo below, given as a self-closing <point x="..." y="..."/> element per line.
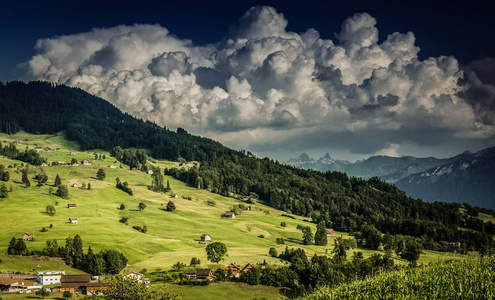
<point x="196" y="163"/>
<point x="83" y="284"/>
<point x="48" y="149"/>
<point x="233" y="269"/>
<point x="84" y="162"/>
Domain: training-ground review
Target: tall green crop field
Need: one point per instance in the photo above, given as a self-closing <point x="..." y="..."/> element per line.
<point x="472" y="278"/>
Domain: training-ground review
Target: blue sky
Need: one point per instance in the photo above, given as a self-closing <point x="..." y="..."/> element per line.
<point x="460" y="28"/>
<point x="345" y="103"/>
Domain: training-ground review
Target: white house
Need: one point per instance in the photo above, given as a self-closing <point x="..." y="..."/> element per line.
<point x="49" y="277"/>
<point x="73" y="220"/>
<point x="139" y="277"/>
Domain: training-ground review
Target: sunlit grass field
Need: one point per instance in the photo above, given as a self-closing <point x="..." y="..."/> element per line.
<point x="171" y="237"/>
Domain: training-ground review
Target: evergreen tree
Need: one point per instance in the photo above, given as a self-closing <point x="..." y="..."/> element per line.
<point x="122" y="206"/>
<point x="321" y="234"/>
<point x="89" y="186"/>
<point x="11" y="248"/>
<point x="168" y="185"/>
<point x="100" y="175"/>
<point x="58" y="181"/>
<point x="25" y="178"/>
<point x="141" y="206"/>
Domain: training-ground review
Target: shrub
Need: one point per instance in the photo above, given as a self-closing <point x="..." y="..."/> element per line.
<point x="171" y="206"/>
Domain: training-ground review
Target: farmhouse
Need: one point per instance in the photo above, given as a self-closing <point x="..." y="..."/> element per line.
<point x="74" y="185"/>
<point x="49" y="277"/>
<point x="246" y="268"/>
<point x="73" y="220"/>
<point x="27" y="237"/>
<point x="44" y="164"/>
<point x="75" y="165"/>
<point x="72" y="152"/>
<point x="17" y="142"/>
<point x="112" y="167"/>
<point x="450" y="244"/>
<point x="150" y="172"/>
<point x="182" y="165"/>
<point x="58" y="149"/>
<point x="330" y="232"/>
<point x="85" y="162"/>
<point x="200" y="274"/>
<point x="233" y="269"/>
<point x="63" y="163"/>
<point x="139" y="277"/>
<point x="228" y="215"/>
<point x="71" y="205"/>
<point x="197" y="164"/>
<point x="175" y="196"/>
<point x="82" y="284"/>
<point x="18" y="285"/>
<point x="48" y="149"/>
<point x="205" y="237"/>
<point x="38" y="149"/>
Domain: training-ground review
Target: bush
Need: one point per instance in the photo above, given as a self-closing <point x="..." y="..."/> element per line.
<point x="124" y="220"/>
<point x="194" y="261"/>
<point x="273" y="252"/>
<point x="283" y="224"/>
<point x="261" y="236"/>
<point x="211" y="203"/>
<point x="170" y="206"/>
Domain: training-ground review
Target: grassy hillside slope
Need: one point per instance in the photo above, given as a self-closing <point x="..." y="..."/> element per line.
<point x="171" y="237"/>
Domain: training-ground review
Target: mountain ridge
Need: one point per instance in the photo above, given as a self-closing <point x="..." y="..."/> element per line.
<point x="471" y="178"/>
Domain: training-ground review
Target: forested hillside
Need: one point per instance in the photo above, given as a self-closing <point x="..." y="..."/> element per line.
<point x="40" y="107"/>
<point x="346" y="203"/>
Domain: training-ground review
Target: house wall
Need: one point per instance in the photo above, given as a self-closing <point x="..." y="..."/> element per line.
<point x="49" y="279"/>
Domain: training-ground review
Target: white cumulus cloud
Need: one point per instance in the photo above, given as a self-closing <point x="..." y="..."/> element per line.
<point x="264" y="87"/>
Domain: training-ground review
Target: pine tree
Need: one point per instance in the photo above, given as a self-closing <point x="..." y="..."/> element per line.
<point x="168" y="185"/>
<point x="101" y="174"/>
<point x="58" y="181"/>
<point x="321" y="234"/>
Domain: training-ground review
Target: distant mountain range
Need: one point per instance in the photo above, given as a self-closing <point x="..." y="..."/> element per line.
<point x="470" y="178"/>
<point x="388" y="168"/>
<point x="467" y="177"/>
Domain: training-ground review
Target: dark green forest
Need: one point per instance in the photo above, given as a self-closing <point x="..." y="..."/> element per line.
<point x="347" y="203"/>
<point x="42" y="108"/>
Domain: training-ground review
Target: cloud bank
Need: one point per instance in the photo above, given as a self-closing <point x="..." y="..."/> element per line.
<point x="265" y="88"/>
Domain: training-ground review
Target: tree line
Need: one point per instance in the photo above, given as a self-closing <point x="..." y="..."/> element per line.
<point x="345" y="203"/>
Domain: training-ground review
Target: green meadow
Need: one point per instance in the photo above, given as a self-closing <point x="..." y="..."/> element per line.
<point x="171" y="237"/>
